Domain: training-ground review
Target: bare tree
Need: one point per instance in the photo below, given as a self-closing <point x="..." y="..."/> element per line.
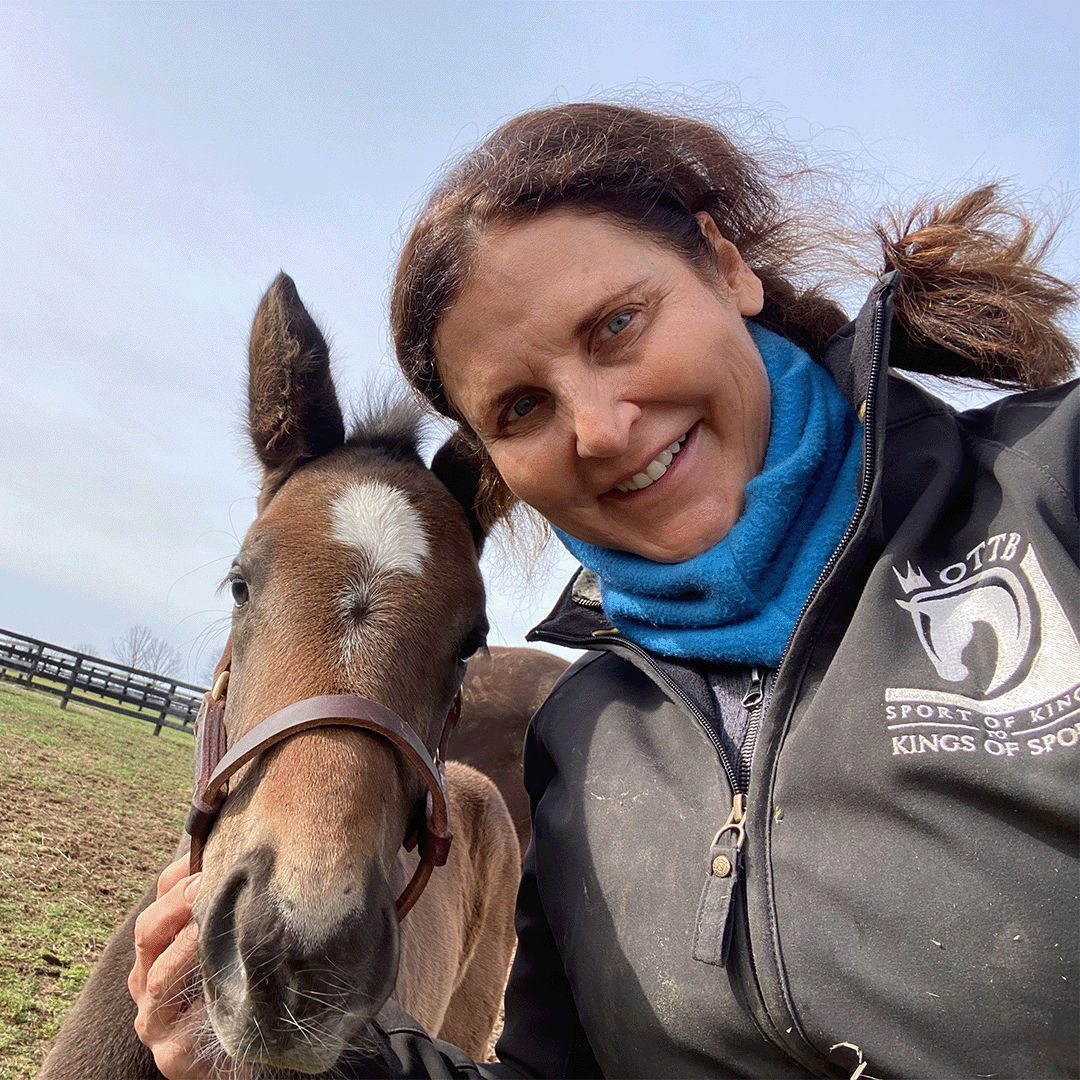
<point x="138" y="647"/>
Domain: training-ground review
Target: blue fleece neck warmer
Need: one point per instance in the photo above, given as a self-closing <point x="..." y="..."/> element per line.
<point x="738" y="602"/>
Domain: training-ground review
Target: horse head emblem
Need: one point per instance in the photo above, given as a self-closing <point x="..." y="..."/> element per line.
<point x="945" y="621"/>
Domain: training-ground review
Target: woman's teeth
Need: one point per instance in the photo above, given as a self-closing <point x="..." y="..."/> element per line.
<point x="654" y="470"/>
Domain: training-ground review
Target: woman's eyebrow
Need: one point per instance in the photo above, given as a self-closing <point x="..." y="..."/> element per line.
<point x="597" y="311"/>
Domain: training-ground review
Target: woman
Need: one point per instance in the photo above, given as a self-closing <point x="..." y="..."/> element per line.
<point x="808" y="805"/>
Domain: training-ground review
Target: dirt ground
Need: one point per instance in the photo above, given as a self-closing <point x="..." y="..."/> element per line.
<point x="92" y="807"/>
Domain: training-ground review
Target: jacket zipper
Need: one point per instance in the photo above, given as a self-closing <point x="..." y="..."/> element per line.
<point x="754" y="702"/>
<point x="715" y="922"/>
<point x="736" y="822"/>
<point x="805" y="1053"/>
<point x="676" y="691"/>
<point x="713" y="932"/>
<point x="866" y="480"/>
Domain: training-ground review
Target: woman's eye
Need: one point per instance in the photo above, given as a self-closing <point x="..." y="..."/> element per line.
<point x="524" y="406"/>
<point x="618" y="324"/>
<point x="238" y="588"/>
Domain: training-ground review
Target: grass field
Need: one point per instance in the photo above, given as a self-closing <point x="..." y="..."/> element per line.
<point x="92" y="807"/>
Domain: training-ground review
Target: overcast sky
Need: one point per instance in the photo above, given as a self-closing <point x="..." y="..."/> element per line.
<point x="160" y="162"/>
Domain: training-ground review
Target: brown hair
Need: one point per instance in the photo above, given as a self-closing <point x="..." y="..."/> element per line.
<point x="654" y="171"/>
<point x="651" y="171"/>
<point x="973" y="300"/>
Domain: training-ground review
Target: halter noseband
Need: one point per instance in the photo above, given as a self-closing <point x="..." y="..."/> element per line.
<point x="214" y="765"/>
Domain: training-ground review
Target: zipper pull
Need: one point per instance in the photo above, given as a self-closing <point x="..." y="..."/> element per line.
<point x="712" y="934"/>
<point x="754" y="692"/>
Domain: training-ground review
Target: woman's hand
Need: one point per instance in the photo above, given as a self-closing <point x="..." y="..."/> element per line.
<point x="164" y="973"/>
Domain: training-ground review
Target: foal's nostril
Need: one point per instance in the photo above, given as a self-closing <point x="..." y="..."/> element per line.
<point x="221" y="950"/>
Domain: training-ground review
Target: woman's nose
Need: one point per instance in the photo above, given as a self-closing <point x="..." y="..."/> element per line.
<point x="602" y="426"/>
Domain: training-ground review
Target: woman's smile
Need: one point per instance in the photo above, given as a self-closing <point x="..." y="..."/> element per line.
<point x="614" y="385"/>
<point x="656" y="468"/>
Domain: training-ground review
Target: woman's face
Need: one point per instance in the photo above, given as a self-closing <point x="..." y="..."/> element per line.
<point x="615" y="387"/>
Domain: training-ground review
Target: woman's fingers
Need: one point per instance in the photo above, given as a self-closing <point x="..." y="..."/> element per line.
<point x="162" y="921"/>
<point x="171" y="875"/>
<point x="166" y="953"/>
<point x="168" y="1018"/>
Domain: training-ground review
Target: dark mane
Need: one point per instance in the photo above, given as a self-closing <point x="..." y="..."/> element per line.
<point x="391" y="423"/>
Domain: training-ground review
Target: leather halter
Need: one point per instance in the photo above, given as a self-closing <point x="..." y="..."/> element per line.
<point x="214" y="765"/>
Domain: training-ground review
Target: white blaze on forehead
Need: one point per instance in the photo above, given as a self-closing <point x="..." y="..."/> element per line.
<point x="379" y="521"/>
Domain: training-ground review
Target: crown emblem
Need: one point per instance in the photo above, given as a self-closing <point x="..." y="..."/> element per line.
<point x="912" y="580"/>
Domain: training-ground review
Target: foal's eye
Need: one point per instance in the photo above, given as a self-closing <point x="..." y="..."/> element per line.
<point x="470" y="645"/>
<point x="524" y="406"/>
<point x="238" y="588"/>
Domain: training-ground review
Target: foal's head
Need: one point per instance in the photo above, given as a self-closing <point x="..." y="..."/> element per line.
<point x="358" y="576"/>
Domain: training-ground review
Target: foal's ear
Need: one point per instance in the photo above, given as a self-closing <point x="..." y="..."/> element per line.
<point x="293" y="411"/>
<point x="457" y="466"/>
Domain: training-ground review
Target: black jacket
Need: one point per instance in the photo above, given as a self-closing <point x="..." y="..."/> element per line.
<point x="905" y="898"/>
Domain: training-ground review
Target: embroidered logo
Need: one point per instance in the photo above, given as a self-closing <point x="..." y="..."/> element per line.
<point x="945" y="620"/>
<point x="1003" y="672"/>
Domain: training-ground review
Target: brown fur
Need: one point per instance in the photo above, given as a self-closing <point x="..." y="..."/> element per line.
<point x="304" y="863"/>
<point x="503" y="690"/>
<point x="452" y="981"/>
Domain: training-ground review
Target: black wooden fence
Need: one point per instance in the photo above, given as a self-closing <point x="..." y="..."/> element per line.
<point x="75" y="676"/>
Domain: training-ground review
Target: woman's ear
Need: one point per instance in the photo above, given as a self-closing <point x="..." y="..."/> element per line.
<point x="744" y="286"/>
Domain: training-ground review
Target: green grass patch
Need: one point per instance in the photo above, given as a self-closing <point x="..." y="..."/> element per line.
<point x="92" y="809"/>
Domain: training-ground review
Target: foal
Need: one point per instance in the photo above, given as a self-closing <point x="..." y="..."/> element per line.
<point x="359" y="576"/>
